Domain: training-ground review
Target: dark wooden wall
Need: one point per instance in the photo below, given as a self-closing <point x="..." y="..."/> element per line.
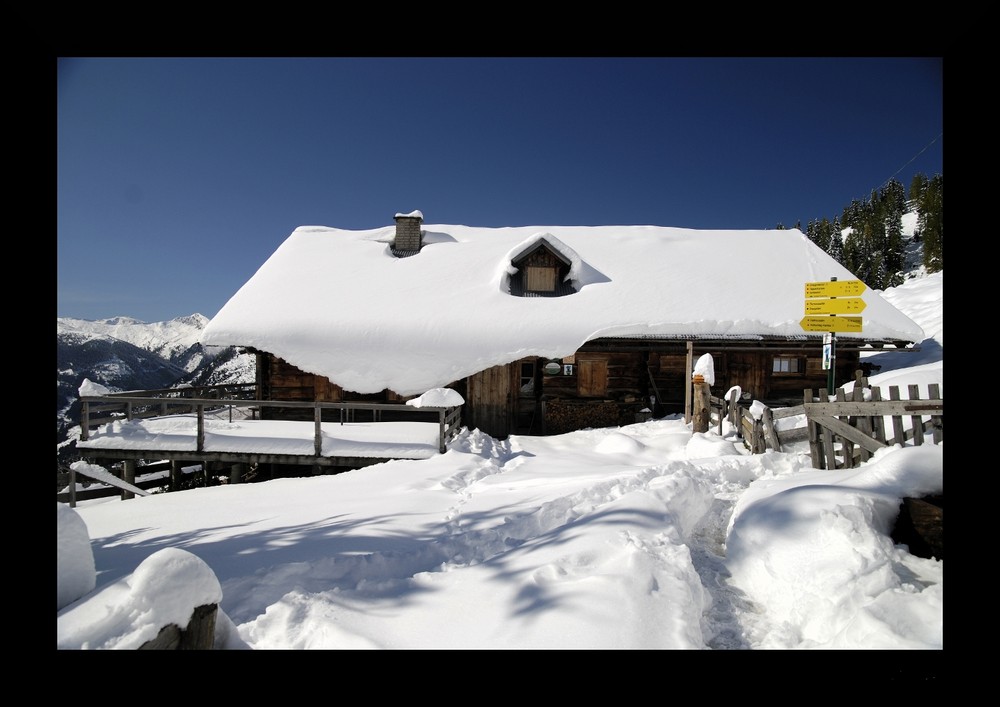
<point x="626" y="378"/>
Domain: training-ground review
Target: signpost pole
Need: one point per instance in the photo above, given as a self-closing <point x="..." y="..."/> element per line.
<point x="833" y="363"/>
<point x="833" y="299"/>
<point x="833" y="357"/>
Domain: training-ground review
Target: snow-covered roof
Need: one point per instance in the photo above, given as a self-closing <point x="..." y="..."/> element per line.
<point x="338" y="303"/>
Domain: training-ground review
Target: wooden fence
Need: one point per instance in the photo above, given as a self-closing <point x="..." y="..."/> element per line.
<point x="842" y="432"/>
<point x="98" y="410"/>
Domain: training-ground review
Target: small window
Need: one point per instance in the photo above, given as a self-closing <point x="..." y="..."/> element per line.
<point x="787" y="364"/>
<point x="539" y="279"/>
<point x="527" y="386"/>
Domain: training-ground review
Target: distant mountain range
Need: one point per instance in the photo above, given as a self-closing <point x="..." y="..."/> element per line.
<point x="122" y="353"/>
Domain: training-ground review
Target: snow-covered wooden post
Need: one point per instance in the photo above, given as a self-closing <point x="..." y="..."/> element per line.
<point x="702" y="403"/>
<point x="701" y="382"/>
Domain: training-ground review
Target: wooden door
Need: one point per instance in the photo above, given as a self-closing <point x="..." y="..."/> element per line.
<point x="592" y="377"/>
<point x="491" y="401"/>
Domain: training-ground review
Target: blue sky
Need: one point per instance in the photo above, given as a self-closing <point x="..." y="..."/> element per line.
<point x="178" y="177"/>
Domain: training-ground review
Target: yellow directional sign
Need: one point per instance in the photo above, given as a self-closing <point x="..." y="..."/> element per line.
<point x="835" y="288"/>
<point x="852" y="324"/>
<point x="836" y="305"/>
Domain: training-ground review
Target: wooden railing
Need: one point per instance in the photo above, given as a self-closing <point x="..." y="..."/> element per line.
<point x="98" y="410"/>
<point x="844" y="432"/>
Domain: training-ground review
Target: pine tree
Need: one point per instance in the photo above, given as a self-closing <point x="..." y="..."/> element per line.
<point x="852" y="252"/>
<point x="917" y="186"/>
<point x="892" y="202"/>
<point x="930" y="223"/>
<point x="836" y="247"/>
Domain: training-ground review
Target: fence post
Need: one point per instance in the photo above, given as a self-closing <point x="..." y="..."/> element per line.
<point x="734" y="413"/>
<point x="318" y="436"/>
<point x="862" y="422"/>
<point x="916" y="420"/>
<point x="936" y="420"/>
<point x="702" y="403"/>
<point x="128" y="476"/>
<point x="815" y="452"/>
<point x="898" y="433"/>
<point x="200" y="445"/>
<point x="769" y="431"/>
<point x="878" y="422"/>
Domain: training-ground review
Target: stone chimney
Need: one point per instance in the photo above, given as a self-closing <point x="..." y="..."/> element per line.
<point x="408" y="234"/>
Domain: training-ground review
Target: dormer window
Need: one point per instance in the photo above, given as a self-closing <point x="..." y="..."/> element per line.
<point x="541" y="272"/>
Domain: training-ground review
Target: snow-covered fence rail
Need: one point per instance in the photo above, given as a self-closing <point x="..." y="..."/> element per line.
<point x="102" y="409"/>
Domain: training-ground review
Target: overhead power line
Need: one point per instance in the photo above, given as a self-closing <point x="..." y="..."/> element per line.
<point x="911" y="160"/>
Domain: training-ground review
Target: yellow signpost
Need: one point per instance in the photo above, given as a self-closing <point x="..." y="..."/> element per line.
<point x="851" y="324"/>
<point x="833" y="298"/>
<point x="835" y="288"/>
<point x="835" y="305"/>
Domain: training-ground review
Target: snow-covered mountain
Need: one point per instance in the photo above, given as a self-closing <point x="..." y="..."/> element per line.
<point x="171" y="340"/>
<point x="122" y="353"/>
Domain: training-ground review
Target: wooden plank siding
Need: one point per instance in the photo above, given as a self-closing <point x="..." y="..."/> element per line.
<point x="627" y="374"/>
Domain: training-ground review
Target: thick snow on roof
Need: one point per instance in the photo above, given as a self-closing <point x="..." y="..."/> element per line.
<point x="338" y="303"/>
